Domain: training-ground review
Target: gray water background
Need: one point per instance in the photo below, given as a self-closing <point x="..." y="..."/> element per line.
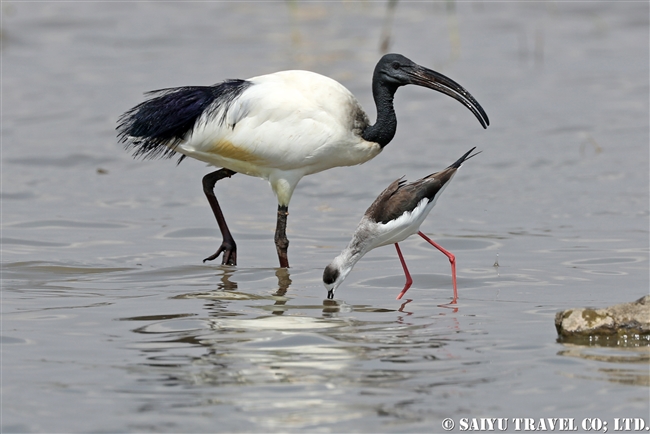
<point x="111" y="323"/>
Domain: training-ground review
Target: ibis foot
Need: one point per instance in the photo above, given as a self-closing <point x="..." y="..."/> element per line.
<point x="228" y="246"/>
<point x="229" y="250"/>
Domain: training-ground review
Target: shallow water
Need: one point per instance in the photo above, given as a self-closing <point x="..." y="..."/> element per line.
<point x="111" y="323"/>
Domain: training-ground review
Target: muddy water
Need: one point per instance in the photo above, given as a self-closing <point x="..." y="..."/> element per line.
<point x="111" y="323"/>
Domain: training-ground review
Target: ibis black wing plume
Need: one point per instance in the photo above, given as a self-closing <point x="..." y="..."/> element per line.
<point x="156" y="126"/>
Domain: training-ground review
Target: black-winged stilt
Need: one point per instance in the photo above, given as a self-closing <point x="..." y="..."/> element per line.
<point x="395" y="215"/>
<point x="279" y="127"/>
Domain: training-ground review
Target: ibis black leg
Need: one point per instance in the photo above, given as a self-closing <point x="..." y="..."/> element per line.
<point x="281" y="241"/>
<point x="228" y="246"/>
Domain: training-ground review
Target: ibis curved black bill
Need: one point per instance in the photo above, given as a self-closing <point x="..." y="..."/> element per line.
<point x="425" y="77"/>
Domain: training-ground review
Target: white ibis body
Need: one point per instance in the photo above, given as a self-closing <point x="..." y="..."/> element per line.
<point x="395" y="215"/>
<point x="279" y="127"/>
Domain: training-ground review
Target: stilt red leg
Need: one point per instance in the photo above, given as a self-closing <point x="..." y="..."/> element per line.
<point x="452" y="261"/>
<point x="409" y="281"/>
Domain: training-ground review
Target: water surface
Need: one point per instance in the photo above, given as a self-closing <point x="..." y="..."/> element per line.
<point x="111" y="322"/>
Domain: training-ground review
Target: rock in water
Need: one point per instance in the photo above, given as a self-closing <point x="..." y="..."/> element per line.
<point x="627" y="321"/>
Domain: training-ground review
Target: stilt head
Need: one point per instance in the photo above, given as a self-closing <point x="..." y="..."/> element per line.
<point x="334" y="274"/>
<point x="330" y="277"/>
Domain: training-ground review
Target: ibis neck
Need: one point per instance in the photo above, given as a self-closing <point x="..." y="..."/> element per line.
<point x="383" y="131"/>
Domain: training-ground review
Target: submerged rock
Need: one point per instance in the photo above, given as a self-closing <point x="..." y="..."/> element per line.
<point x="622" y="323"/>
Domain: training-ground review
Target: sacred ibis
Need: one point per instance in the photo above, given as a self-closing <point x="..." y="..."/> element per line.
<point x="279" y="127"/>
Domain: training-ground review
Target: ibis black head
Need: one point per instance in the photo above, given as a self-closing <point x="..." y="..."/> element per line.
<point x="394" y="70"/>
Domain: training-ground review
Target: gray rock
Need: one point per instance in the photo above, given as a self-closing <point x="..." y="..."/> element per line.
<point x="627" y="321"/>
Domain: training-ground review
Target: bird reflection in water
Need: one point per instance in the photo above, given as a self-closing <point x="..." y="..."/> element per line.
<point x="226" y="284"/>
<point x="332" y="307"/>
<point x="284" y="281"/>
<point x="401" y="308"/>
<point x="452" y="306"/>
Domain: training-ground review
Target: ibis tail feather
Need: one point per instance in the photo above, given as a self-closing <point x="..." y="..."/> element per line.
<point x="156" y="126"/>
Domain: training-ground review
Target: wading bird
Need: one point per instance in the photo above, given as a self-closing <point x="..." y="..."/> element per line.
<point x="279" y="127"/>
<point x="395" y="215"/>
